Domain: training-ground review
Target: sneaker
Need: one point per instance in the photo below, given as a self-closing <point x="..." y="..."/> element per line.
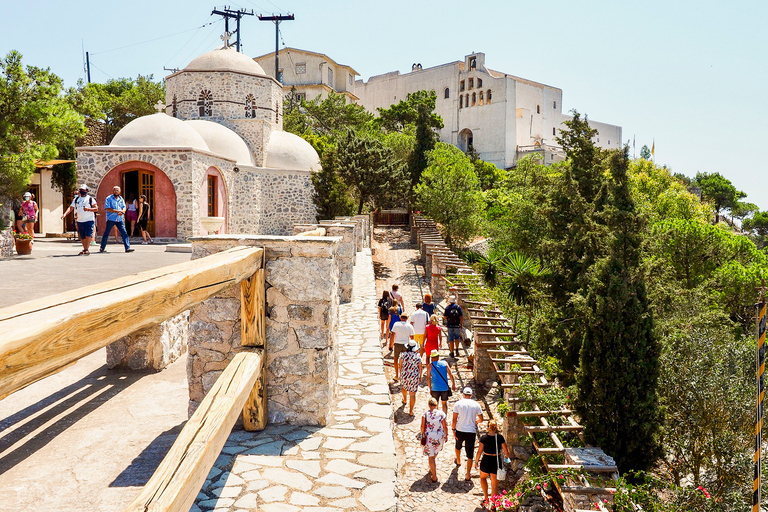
<point x="151" y="241"/>
<point x="102" y="250"/>
<point x="143" y="243"/>
<point x="129" y="250"/>
<point x="452" y="355"/>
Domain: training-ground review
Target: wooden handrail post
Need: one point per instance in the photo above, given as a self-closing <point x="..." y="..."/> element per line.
<point x="253" y="334"/>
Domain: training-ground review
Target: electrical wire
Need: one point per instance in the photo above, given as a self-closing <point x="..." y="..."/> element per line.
<point x="188" y="41"/>
<point x="97" y="67"/>
<point x="194" y="51"/>
<point x="151" y="40"/>
<point x="278" y="7"/>
<point x="257" y="6"/>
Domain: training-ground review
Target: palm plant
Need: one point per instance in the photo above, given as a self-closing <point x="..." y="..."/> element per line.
<point x="490" y="265"/>
<point x="521" y="277"/>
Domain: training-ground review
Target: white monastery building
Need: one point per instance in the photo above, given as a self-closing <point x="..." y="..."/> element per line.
<point x="216" y="148"/>
<point x="310" y="74"/>
<point x="503" y="117"/>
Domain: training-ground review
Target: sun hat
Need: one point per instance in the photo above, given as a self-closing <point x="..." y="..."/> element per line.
<point x="83" y="187"/>
<point x="452" y="298"/>
<point x="434" y="353"/>
<point x="467" y="391"/>
<point x="412" y="345"/>
<point x="27" y="194"/>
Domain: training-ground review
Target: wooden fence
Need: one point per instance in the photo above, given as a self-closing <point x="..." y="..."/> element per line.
<point x="391" y="218"/>
<point x="44" y="336"/>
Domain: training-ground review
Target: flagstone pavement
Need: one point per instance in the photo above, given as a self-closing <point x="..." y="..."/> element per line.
<point x="349" y="464"/>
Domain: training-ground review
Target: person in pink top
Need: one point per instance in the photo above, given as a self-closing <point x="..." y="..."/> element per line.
<point x="29" y="207"/>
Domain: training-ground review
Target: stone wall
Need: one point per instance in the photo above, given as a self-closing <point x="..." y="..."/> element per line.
<point x="302" y="309"/>
<point x="346" y="254"/>
<point x="6" y="237"/>
<point x="153" y="348"/>
<point x="286" y="199"/>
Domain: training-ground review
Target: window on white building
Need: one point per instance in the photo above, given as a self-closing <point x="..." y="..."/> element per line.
<point x="471" y="83"/>
<point x="301" y="96"/>
<point x="481" y="98"/>
<point x="301" y="68"/>
<point x="538" y="109"/>
<point x="554" y="104"/>
<point x="479" y="83"/>
<point x="205" y="103"/>
<point x="474" y="99"/>
<point x="461" y="101"/>
<point x="351" y="80"/>
<point x="461" y="86"/>
<point x="446" y="93"/>
<point x="488" y="96"/>
<point x="553" y="131"/>
<point x="330" y="76"/>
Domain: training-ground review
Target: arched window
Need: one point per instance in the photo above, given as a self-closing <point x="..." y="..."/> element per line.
<point x="479" y="82"/>
<point x="488" y="96"/>
<point x="447" y="93"/>
<point x="481" y="98"/>
<point x="461" y="101"/>
<point x="205" y="103"/>
<point x="474" y="99"/>
<point x="466" y="101"/>
<point x="250" y="106"/>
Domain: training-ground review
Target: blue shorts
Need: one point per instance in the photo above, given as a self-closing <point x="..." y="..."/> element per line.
<point x="85" y="229"/>
<point x="455" y="334"/>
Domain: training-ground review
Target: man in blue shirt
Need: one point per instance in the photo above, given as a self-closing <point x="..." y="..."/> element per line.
<point x="438" y="373"/>
<point x="115" y="208"/>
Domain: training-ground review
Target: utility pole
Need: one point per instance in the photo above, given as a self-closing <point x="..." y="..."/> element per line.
<point x="228" y="13"/>
<point x="277" y="19"/>
<point x="88" y="66"/>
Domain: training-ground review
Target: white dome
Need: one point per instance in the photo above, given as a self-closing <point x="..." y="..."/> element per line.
<point x="225" y="59"/>
<point x="159" y="130"/>
<point x="290" y="152"/>
<point x="222" y="141"/>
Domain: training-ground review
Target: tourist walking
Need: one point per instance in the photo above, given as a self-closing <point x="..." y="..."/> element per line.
<point x="435" y="430"/>
<point x="384" y="304"/>
<point x="394" y="317"/>
<point x="85" y="208"/>
<point x="114" y="205"/>
<point x="398" y="298"/>
<point x="453" y="317"/>
<point x="489" y="459"/>
<point x="438" y="373"/>
<point x="29" y="207"/>
<point x="410" y="373"/>
<point x="467" y="414"/>
<point x="131" y="215"/>
<point x="433" y="334"/>
<point x="419" y="320"/>
<point x="144" y="219"/>
<point x="428" y="306"/>
<point x="402" y="332"/>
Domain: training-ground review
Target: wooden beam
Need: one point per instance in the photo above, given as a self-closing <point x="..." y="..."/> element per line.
<point x="552" y="428"/>
<point x="179" y="477"/>
<point x="578" y="489"/>
<point x="252" y="317"/>
<point x="593" y="469"/>
<point x="39" y="341"/>
<point x="563" y="412"/>
<point x="255" y="408"/>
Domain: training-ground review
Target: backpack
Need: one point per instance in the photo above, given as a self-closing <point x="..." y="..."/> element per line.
<point x="453" y="315"/>
<point x="384" y="306"/>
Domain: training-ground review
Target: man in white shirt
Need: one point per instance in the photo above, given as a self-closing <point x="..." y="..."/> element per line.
<point x="84" y="206"/>
<point x="467" y="414"/>
<point x="403" y="334"/>
<point x="419" y="321"/>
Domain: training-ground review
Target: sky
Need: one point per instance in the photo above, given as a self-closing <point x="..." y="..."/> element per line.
<point x="686" y="76"/>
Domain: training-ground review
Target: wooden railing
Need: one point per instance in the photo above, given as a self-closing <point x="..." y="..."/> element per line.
<point x="41" y="337"/>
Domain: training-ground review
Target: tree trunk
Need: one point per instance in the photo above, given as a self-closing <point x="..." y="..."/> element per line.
<point x="360" y="206"/>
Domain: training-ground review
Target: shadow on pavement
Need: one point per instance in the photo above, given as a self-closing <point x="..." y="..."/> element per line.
<point x="144" y="466"/>
<point x="63" y="408"/>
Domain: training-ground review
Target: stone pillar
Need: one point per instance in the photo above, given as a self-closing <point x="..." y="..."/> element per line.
<point x="366" y="228"/>
<point x="152" y="348"/>
<point x="358" y="223"/>
<point x="6" y="241"/>
<point x="483" y="369"/>
<point x="346" y="254"/>
<point x="437" y="284"/>
<point x="302" y="309"/>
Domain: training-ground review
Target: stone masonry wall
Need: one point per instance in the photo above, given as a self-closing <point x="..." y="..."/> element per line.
<point x="153" y="348"/>
<point x="286" y="199"/>
<point x="346" y="254"/>
<point x="302" y="309"/>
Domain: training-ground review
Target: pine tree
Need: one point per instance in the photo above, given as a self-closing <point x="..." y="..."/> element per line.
<point x="331" y="195"/>
<point x="619" y="370"/>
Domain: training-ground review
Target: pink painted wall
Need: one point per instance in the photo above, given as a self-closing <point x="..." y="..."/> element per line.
<point x="221" y="199"/>
<point x="165" y="197"/>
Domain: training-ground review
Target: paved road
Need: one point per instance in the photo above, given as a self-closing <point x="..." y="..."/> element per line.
<point x="54" y="267"/>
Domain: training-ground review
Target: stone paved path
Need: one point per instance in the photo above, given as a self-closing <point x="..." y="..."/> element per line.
<point x="348" y="465"/>
<point x="397" y="262"/>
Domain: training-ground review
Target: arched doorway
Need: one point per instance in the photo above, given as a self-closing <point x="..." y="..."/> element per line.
<point x="136" y="178"/>
<point x="214" y="201"/>
<point x="466" y="140"/>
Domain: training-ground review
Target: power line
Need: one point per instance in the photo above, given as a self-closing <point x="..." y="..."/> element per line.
<point x="155" y="39"/>
<point x="191" y="38"/>
<point x="194" y="51"/>
<point x="97" y="67"/>
<point x="278" y="7"/>
<point x="228" y="13"/>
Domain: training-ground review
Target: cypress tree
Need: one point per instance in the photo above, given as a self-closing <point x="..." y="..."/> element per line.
<point x="619" y="358"/>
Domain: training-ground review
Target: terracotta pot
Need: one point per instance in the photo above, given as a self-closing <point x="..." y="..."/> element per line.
<point x="23" y="247"/>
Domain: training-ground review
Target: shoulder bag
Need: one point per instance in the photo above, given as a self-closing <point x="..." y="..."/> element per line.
<point x="434" y="369"/>
<point x="501" y="472"/>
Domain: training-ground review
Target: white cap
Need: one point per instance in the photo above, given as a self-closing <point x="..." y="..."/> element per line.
<point x="83" y="187"/>
<point x="27" y="194"/>
<point x="467" y="391"/>
<point x="452" y="298"/>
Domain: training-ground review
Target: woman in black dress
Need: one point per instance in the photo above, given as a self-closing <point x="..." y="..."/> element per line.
<point x="144" y="219"/>
<point x="488" y="456"/>
<point x="384" y="304"/>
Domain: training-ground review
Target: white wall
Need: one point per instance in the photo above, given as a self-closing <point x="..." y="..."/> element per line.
<point x="50" y="203"/>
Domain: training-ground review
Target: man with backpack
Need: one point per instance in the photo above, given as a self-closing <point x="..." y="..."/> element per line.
<point x="85" y="207"/>
<point x="438" y="373"/>
<point x="453" y="317"/>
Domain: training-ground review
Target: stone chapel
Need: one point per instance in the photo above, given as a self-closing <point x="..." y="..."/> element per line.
<point x="217" y="150"/>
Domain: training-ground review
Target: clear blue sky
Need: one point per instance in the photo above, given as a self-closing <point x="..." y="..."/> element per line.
<point x="690" y="75"/>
